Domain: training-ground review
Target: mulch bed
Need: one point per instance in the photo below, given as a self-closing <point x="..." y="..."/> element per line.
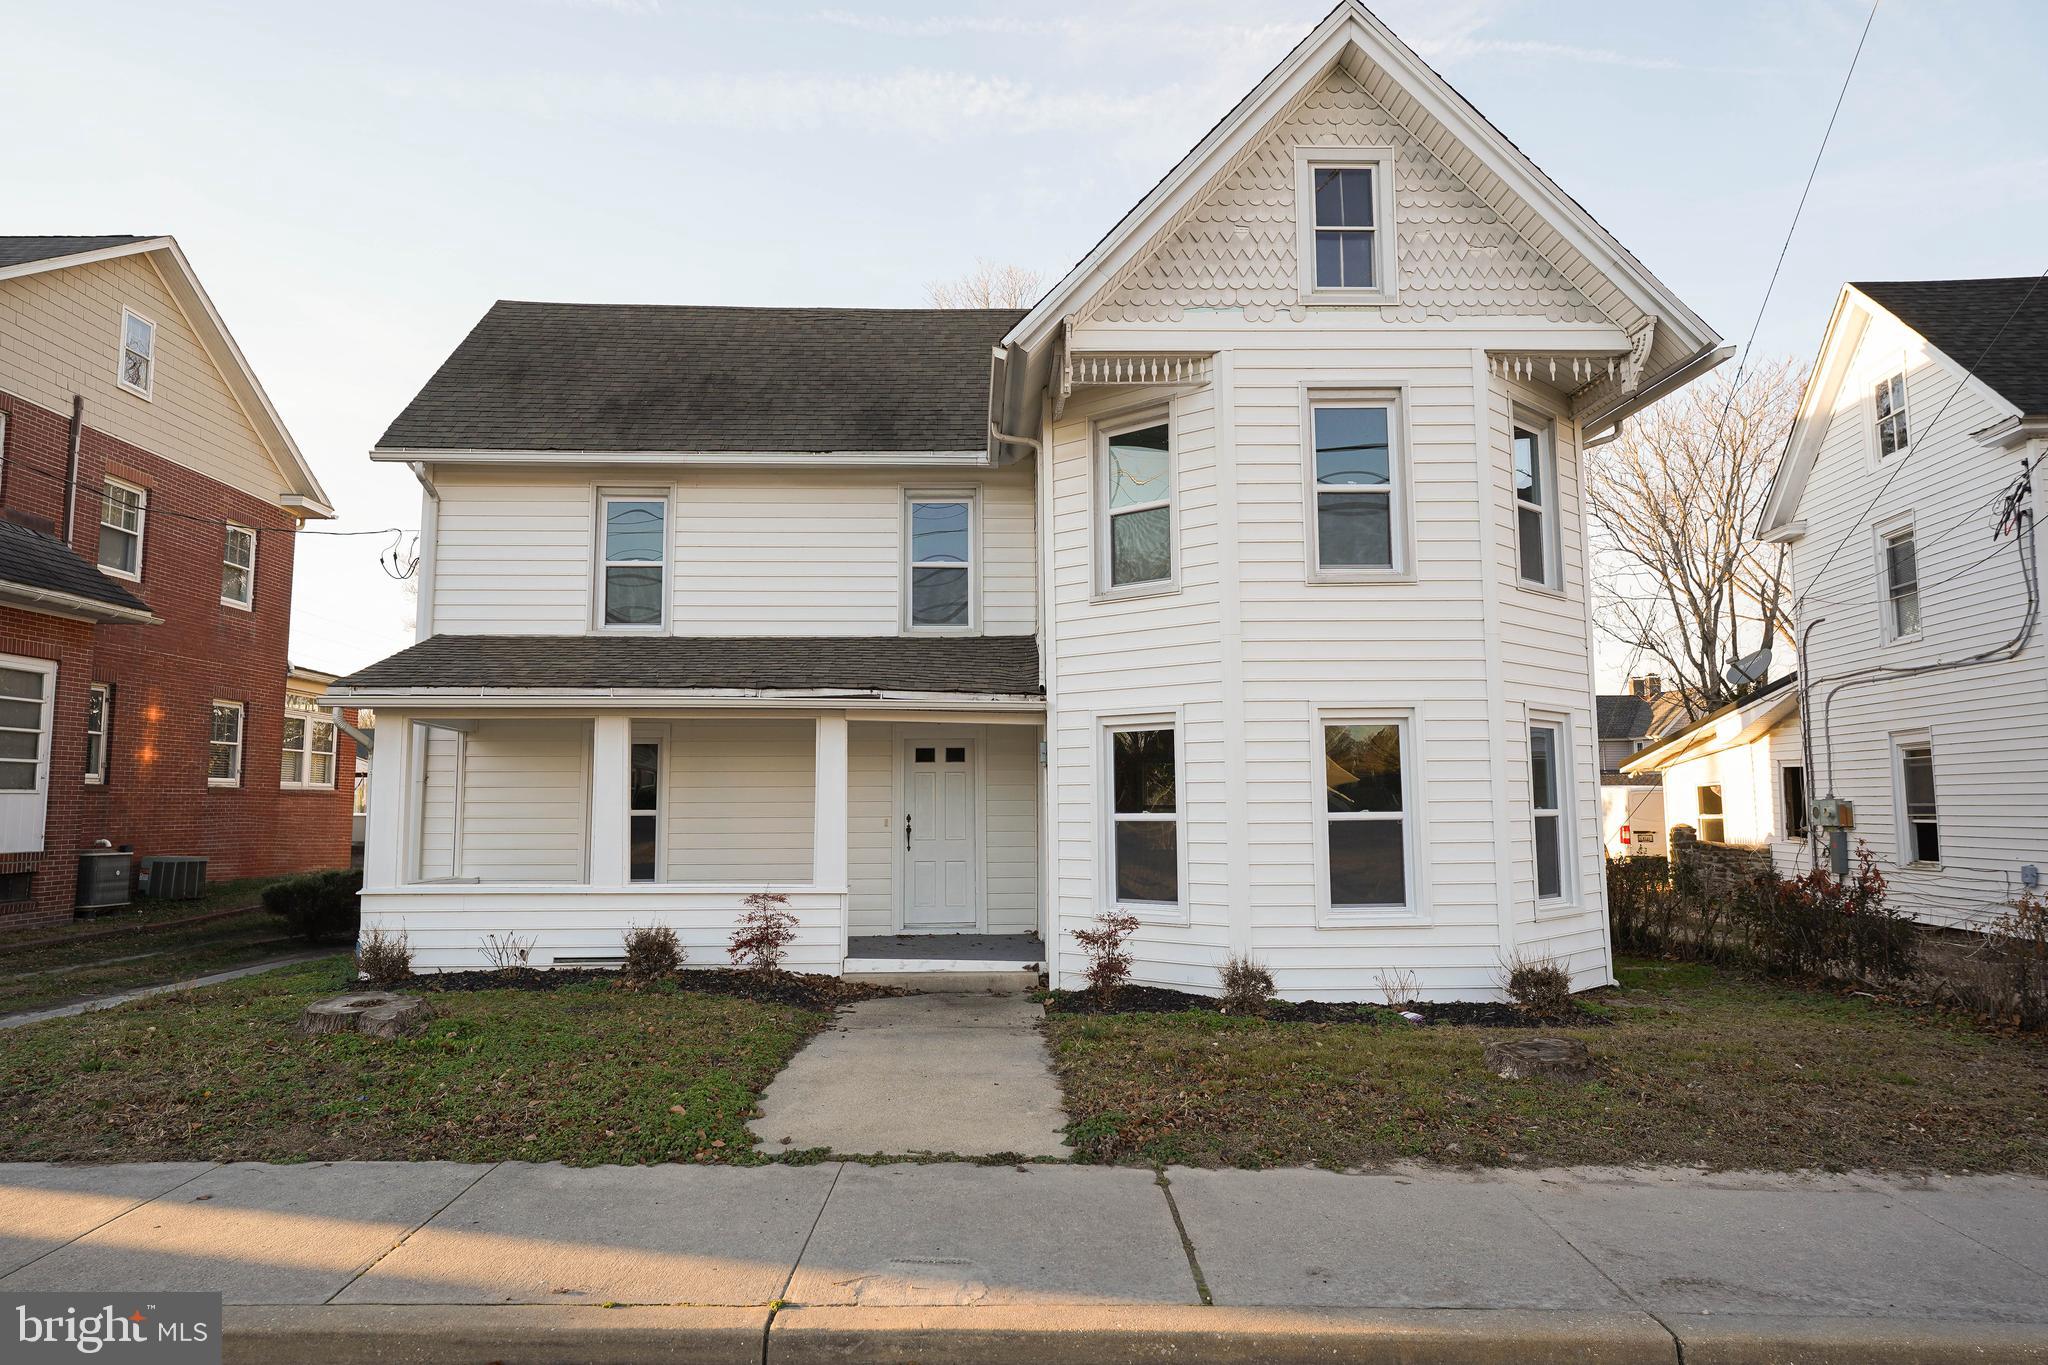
<point x="801" y="989"/>
<point x="1480" y="1014"/>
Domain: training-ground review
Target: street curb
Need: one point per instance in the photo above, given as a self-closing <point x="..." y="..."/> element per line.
<point x="515" y="1334"/>
<point x="1746" y="1339"/>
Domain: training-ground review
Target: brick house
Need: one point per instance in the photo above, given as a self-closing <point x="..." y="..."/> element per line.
<point x="149" y="497"/>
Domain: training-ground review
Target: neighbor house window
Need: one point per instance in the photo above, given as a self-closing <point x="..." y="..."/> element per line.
<point x="123" y="508"/>
<point x="238" y="567"/>
<point x="1546" y="801"/>
<point x="1535" y="507"/>
<point x="941" y="563"/>
<point x="1137" y="502"/>
<point x="224" y="754"/>
<point x="1713" y="825"/>
<point x="1792" y="791"/>
<point x="308" y="751"/>
<point x="138" y="353"/>
<point x="1365" y="815"/>
<point x="1356" y="472"/>
<point x="1144" y="791"/>
<point x="99" y="705"/>
<point x="24" y="719"/>
<point x="1901" y="585"/>
<point x="635" y="560"/>
<point x="1891" y="415"/>
<point x="643" y="807"/>
<point x="1921" y="831"/>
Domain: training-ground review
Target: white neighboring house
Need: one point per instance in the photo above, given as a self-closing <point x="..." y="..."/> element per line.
<point x="1736" y="776"/>
<point x="1928" y="701"/>
<point x="1240" y="584"/>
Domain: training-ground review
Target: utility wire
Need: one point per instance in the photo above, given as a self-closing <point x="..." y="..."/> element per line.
<point x="16" y="464"/>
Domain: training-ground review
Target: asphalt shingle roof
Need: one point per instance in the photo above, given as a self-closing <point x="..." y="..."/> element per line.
<point x="1623" y="715"/>
<point x="34" y="560"/>
<point x="22" y="250"/>
<point x="981" y="665"/>
<point x="646" y="377"/>
<point x="1964" y="317"/>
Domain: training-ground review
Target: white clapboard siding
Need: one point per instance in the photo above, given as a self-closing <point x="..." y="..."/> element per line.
<point x="740" y="800"/>
<point x="760" y="552"/>
<point x="1751" y="779"/>
<point x="438" y="784"/>
<point x="1987" y="725"/>
<point x="526" y="801"/>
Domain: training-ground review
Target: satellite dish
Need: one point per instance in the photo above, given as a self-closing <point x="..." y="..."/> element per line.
<point x="1750" y="668"/>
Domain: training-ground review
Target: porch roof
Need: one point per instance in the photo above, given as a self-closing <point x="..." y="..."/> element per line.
<point x="979" y="665"/>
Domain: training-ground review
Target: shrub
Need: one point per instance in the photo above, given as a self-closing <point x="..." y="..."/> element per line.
<point x="653" y="951"/>
<point x="384" y="958"/>
<point x="1822" y="925"/>
<point x="1247" y="985"/>
<point x="318" y="905"/>
<point x="1109" y="966"/>
<point x="1539" y="987"/>
<point x="507" y="952"/>
<point x="2012" y="979"/>
<point x="765" y="931"/>
<point x="1640" y="902"/>
<point x="1397" y="988"/>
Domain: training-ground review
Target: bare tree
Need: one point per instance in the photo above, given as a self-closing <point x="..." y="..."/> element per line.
<point x="1681" y="576"/>
<point x="988" y="285"/>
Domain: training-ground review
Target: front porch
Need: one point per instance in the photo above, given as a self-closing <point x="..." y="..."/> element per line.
<point x="906" y="841"/>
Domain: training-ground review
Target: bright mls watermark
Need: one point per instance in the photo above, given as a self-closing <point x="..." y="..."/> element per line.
<point x="167" y="1328"/>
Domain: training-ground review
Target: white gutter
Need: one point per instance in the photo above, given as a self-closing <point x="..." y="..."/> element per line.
<point x="71" y="605"/>
<point x="737" y="458"/>
<point x="669" y="698"/>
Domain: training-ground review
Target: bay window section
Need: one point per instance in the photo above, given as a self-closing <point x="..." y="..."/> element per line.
<point x="1144" y="818"/>
<point x="1365" y="817"/>
<point x="1137" y="502"/>
<point x="644" y="812"/>
<point x="1535" y="507"/>
<point x="1355" y="486"/>
<point x="1546" y="801"/>
<point x="635" y="569"/>
<point x="941" y="564"/>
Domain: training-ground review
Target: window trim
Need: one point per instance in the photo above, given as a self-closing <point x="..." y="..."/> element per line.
<point x="141" y="531"/>
<point x="1415" y="910"/>
<point x="1567" y="897"/>
<point x="241" y="745"/>
<point x="146" y="392"/>
<point x="1393" y="397"/>
<point x="660" y="742"/>
<point x="97" y="776"/>
<point x="1700" y="816"/>
<point x="604" y="496"/>
<point x="1544" y="428"/>
<point x="1107" y="429"/>
<point x="1903" y="413"/>
<point x="971" y="498"/>
<point x="46" y="734"/>
<point x="304" y="782"/>
<point x="1106" y="727"/>
<point x="1906" y="851"/>
<point x="227" y="537"/>
<point x="1386" y="246"/>
<point x="1884" y="532"/>
<point x="1784" y="821"/>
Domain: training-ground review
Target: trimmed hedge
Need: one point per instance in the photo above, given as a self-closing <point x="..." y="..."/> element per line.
<point x="318" y="905"/>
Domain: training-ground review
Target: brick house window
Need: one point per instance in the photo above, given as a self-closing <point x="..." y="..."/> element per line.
<point x="238" y="567"/>
<point x="224" y="753"/>
<point x="99" y="706"/>
<point x="123" y="509"/>
<point x="308" y="752"/>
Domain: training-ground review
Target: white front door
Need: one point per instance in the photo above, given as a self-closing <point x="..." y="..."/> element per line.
<point x="941" y="880"/>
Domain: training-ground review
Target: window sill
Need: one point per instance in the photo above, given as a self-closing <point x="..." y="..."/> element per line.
<point x="306" y="788"/>
<point x="1396" y="917"/>
<point x="1361" y="578"/>
<point x="1135" y="592"/>
<point x="238" y="606"/>
<point x="146" y="395"/>
<point x="942" y="630"/>
<point x="1151" y="912"/>
<point x="1558" y="908"/>
<point x="92" y="781"/>
<point x="121" y="574"/>
<point x="1346" y="298"/>
<point x="1541" y="589"/>
<point x="223" y="782"/>
<point x="1912" y="639"/>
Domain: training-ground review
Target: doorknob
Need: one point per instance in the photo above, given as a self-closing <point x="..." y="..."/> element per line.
<point x="906" y="829"/>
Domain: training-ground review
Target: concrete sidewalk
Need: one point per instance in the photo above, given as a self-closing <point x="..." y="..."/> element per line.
<point x="513" y="1262"/>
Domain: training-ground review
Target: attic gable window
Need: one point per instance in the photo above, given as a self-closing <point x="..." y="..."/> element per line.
<point x="1891" y="415"/>
<point x="137" y="373"/>
<point x="1344" y="228"/>
<point x="1345" y="216"/>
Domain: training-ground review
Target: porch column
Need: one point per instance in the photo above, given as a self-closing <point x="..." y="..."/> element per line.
<point x="388" y="832"/>
<point x="828" y="822"/>
<point x="611" y="828"/>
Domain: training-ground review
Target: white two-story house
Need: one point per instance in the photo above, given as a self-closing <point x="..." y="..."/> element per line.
<point x="1240" y="584"/>
<point x="1907" y="494"/>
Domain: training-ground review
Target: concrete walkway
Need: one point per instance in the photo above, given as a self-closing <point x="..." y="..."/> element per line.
<point x="513" y="1262"/>
<point x="107" y="1002"/>
<point x="949" y="1074"/>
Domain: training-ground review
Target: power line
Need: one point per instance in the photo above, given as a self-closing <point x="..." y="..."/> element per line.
<point x="17" y="464"/>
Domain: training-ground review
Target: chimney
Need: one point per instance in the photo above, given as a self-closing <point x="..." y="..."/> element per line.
<point x="1647" y="687"/>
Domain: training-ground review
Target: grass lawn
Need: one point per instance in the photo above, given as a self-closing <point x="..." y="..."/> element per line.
<point x="584" y="1074"/>
<point x="1701" y="1066"/>
<point x="90" y="961"/>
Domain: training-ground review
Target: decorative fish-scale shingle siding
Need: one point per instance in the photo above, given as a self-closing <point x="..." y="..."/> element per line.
<point x="1235" y="248"/>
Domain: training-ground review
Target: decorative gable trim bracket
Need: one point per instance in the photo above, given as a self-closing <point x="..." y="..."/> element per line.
<point x="1639" y="343"/>
<point x="1124" y="369"/>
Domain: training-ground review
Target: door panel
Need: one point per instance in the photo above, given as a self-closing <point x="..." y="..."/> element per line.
<point x="941" y="884"/>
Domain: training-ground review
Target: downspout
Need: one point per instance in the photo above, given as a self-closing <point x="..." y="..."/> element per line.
<point x="1005" y="438"/>
<point x="430" y="538"/>
<point x="71" y="464"/>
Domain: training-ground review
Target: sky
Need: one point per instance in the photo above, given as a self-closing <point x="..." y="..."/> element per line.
<point x="355" y="184"/>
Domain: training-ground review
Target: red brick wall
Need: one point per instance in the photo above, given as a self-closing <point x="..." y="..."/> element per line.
<point x="165" y="678"/>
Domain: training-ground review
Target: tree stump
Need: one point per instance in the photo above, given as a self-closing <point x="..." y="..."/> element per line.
<point x="1556" y="1059"/>
<point x="380" y="1014"/>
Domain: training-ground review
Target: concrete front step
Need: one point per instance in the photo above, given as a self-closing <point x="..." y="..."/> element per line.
<point x="939" y="977"/>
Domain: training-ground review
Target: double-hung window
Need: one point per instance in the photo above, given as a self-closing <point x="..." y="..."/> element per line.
<point x="224" y="751"/>
<point x="137" y="372"/>
<point x="1356" y="520"/>
<point x="99" y="708"/>
<point x="1919" y="829"/>
<point x="643" y="812"/>
<point x="308" y="752"/>
<point x="1144" y="792"/>
<point x="1137" y="505"/>
<point x="1713" y="824"/>
<point x="238" y="567"/>
<point x="1890" y="400"/>
<point x="25" y="694"/>
<point x="1901" y="585"/>
<point x="940" y="564"/>
<point x="123" y="509"/>
<point x="1547" y="787"/>
<point x="1365" y="816"/>
<point x="632" y="578"/>
<point x="1535" y="506"/>
<point x="1344" y="217"/>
